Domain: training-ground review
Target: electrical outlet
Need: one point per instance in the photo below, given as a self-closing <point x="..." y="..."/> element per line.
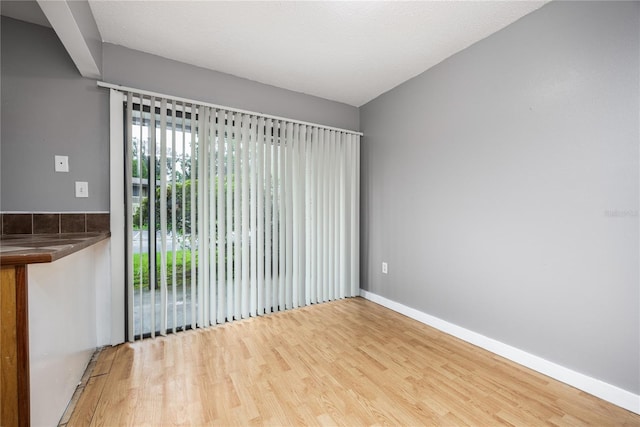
<point x="385" y="268"/>
<point x="62" y="163"/>
<point x="82" y="189"/>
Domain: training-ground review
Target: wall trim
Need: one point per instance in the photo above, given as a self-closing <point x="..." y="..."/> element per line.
<point x="117" y="218"/>
<point x="593" y="386"/>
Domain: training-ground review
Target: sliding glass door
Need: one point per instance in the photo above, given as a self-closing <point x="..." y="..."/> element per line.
<point x="161" y="250"/>
<point x="233" y="214"/>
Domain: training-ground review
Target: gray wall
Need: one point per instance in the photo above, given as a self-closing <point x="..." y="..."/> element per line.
<point x="145" y="71"/>
<point x="49" y="109"/>
<point x="501" y="186"/>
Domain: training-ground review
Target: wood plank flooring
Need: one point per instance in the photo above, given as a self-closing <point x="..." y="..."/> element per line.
<point x="349" y="362"/>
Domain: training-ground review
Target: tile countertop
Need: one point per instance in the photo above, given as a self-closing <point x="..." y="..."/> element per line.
<point x="38" y="248"/>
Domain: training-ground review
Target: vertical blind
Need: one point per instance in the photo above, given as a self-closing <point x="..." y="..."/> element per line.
<point x="234" y="214"/>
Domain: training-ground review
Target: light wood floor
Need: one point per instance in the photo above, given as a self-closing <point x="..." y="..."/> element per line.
<point x="348" y="362"/>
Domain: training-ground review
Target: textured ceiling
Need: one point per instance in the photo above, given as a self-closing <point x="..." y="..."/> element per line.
<point x="345" y="51"/>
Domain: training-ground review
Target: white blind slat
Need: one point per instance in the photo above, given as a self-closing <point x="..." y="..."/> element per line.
<point x="301" y="257"/>
<point x="131" y="320"/>
<point x="229" y="224"/>
<point x="335" y="200"/>
<point x="174" y="253"/>
<point x="163" y="217"/>
<point x="192" y="220"/>
<point x="288" y="214"/>
<point x="222" y="232"/>
<point x="152" y="213"/>
<point x="237" y="237"/>
<point x="244" y="260"/>
<point x="253" y="217"/>
<point x="211" y="219"/>
<point x="259" y="190"/>
<point x="202" y="223"/>
<point x="183" y="220"/>
<point x="294" y="237"/>
<point x="267" y="217"/>
<point x="281" y="200"/>
<point x="324" y="215"/>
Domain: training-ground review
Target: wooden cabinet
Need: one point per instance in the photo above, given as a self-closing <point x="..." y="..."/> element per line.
<point x="14" y="347"/>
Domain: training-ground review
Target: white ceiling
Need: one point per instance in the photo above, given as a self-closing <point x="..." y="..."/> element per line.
<point x="347" y="51"/>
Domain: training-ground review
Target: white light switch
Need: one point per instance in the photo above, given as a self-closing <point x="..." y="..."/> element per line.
<point x="385" y="268"/>
<point x="62" y="163"/>
<point x="82" y="189"/>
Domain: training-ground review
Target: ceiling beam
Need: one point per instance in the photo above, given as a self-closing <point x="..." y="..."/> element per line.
<point x="75" y="26"/>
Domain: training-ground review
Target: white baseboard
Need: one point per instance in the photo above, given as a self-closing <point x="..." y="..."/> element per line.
<point x="605" y="391"/>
